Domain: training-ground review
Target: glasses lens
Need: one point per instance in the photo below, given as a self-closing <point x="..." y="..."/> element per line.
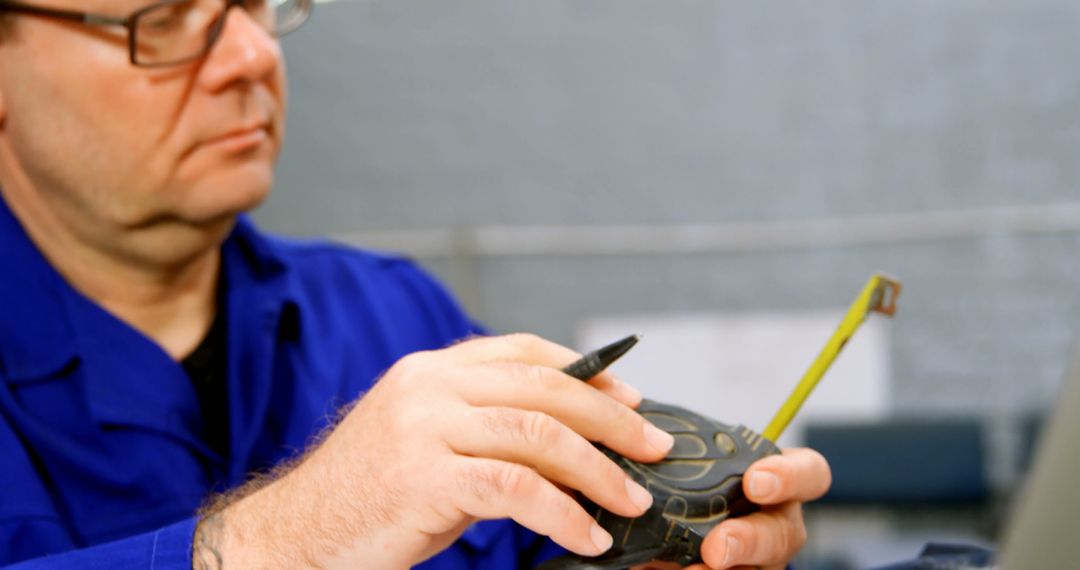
<point x="289" y="15"/>
<point x="173" y="31"/>
<point x="181" y="30"/>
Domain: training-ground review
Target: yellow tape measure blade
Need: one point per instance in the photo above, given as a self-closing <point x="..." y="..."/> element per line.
<point x="879" y="296"/>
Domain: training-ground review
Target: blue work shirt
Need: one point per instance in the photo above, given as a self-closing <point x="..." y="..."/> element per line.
<point x="103" y="460"/>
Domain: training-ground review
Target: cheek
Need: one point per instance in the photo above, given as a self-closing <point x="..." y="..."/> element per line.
<point x="96" y="91"/>
<point x="57" y="138"/>
<point x="108" y="121"/>
<point x="147" y="115"/>
<point x="140" y="137"/>
<point x="103" y="149"/>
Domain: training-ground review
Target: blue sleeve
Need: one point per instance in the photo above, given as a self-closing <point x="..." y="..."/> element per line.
<point x="167" y="548"/>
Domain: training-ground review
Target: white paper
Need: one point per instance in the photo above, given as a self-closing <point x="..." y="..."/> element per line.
<point x="739" y="368"/>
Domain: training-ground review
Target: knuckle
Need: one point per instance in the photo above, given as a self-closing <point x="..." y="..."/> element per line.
<point x="747" y="537"/>
<point x="499" y="421"/>
<point x="540" y="377"/>
<point x="615" y="474"/>
<point x="800" y="536"/>
<point x="796" y="528"/>
<point x="414" y="360"/>
<point x="591" y="460"/>
<point x="540" y="429"/>
<point x="490" y="481"/>
<point x="624" y="420"/>
<point x="522" y="341"/>
<point x="514" y="480"/>
<point x="566" y="509"/>
<point x="479" y="481"/>
<point x="629" y="417"/>
<point x="474" y="482"/>
<point x="408" y="370"/>
<point x="787" y="540"/>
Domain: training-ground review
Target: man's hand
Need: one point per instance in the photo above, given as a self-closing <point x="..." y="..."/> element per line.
<point x="768" y="539"/>
<point x="489" y="428"/>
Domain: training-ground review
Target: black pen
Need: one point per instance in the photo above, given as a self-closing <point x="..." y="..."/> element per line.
<point x="596" y="361"/>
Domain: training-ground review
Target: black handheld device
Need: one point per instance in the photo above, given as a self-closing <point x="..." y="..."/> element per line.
<point x="695" y="488"/>
<point x="699" y="484"/>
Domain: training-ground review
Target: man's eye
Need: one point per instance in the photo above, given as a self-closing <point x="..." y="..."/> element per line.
<point x="163" y="24"/>
<point x="167" y="18"/>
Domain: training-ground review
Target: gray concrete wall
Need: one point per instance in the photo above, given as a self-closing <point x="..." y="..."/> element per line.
<point x="420" y="114"/>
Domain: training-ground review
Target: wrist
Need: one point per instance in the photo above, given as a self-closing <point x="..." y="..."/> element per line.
<point x="240" y="532"/>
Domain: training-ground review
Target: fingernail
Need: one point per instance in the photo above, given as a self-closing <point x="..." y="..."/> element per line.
<point x="658" y="438"/>
<point x="764" y="485"/>
<point x="731" y="550"/>
<point x="641" y="498"/>
<point x="600" y="538"/>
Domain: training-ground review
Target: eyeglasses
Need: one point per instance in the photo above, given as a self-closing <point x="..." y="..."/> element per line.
<point x="172" y="32"/>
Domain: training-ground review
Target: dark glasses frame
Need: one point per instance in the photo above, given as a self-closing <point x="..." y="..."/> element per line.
<point x="131" y="23"/>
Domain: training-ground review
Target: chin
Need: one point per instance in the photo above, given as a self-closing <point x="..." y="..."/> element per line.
<point x="225" y="197"/>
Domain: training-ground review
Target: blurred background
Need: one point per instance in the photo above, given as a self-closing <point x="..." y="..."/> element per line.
<point x="723" y="178"/>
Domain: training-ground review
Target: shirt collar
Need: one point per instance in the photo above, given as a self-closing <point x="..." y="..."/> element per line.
<point x="38" y="328"/>
<point x="262" y="303"/>
<point x="47" y="329"/>
<point x="249" y="250"/>
<point x="46" y="326"/>
<point x="161" y="396"/>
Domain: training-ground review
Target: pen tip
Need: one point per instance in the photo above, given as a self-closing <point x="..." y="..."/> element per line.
<point x="615" y="350"/>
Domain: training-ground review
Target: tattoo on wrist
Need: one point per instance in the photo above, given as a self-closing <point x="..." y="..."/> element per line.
<point x="206" y="551"/>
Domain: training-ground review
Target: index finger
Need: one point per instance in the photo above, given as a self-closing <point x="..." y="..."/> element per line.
<point x="532" y="349"/>
<point x="588" y="412"/>
<point x="799" y="474"/>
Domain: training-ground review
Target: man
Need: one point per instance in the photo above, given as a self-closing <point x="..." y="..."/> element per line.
<point x="155" y="348"/>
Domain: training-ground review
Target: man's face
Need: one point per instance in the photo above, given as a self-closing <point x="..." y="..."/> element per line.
<point x="114" y="149"/>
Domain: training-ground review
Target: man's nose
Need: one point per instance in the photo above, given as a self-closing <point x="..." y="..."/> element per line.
<point x="245" y="51"/>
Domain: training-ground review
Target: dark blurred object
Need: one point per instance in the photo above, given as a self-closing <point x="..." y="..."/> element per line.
<point x="905" y="462"/>
<point x="1030" y="427"/>
<point x="949" y="557"/>
<point x="830" y="562"/>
